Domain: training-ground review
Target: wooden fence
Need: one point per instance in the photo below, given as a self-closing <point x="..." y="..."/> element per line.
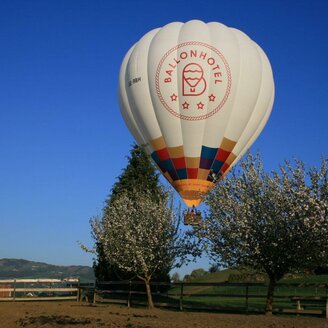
<point x="303" y="298"/>
<point x="225" y="297"/>
<point x="39" y="289"/>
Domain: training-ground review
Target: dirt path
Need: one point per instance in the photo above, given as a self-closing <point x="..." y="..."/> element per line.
<point x="71" y="314"/>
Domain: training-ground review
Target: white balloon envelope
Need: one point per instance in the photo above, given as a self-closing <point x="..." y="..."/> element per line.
<point x="197" y="96"/>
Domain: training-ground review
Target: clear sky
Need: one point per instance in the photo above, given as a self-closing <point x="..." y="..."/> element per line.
<point x="62" y="139"/>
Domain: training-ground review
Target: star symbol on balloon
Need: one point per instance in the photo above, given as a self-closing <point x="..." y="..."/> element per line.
<point x="174" y="97"/>
<point x="185" y="105"/>
<point x="200" y="105"/>
<point x="211" y="97"/>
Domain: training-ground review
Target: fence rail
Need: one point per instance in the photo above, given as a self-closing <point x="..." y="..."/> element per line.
<point x="39" y="289"/>
<point x="307" y="298"/>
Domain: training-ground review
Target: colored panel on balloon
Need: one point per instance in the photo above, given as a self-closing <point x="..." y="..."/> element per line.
<point x="163" y="154"/>
<point x="173" y="175"/>
<point x="192" y="162"/>
<point x="205" y="163"/>
<point x="231" y="158"/>
<point x="168" y="165"/>
<point x="202" y="174"/>
<point x="155" y="157"/>
<point x="217" y="165"/>
<point x="227" y="144"/>
<point x="192" y="190"/>
<point x="224" y="167"/>
<point x="208" y="152"/>
<point x="222" y="155"/>
<point x="176" y="152"/>
<point x="182" y="173"/>
<point x="159" y="163"/>
<point x="179" y="163"/>
<point x="192" y="173"/>
<point x="162" y="167"/>
<point x="158" y="143"/>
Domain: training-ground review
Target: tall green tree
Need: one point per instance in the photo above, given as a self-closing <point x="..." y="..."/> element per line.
<point x="140" y="174"/>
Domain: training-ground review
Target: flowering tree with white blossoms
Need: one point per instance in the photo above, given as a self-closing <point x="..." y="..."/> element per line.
<point x="139" y="174"/>
<point x="318" y="222"/>
<point x="275" y="223"/>
<point x="139" y="235"/>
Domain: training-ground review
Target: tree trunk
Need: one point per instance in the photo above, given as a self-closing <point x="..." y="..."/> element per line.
<point x="269" y="300"/>
<point x="149" y="295"/>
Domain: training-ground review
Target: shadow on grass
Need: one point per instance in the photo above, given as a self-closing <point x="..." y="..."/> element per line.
<point x="194" y="304"/>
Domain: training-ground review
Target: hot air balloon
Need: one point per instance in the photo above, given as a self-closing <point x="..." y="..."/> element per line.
<point x="197" y="96"/>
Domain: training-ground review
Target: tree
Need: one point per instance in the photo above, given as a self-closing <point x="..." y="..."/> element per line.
<point x="187" y="278"/>
<point x="318" y="223"/>
<point x="139" y="236"/>
<point x="198" y="273"/>
<point x="274" y="223"/>
<point x="214" y="268"/>
<point x="139" y="174"/>
<point x="175" y="277"/>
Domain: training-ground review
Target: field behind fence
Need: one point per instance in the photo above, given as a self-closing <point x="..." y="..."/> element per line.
<point x="299" y="298"/>
<point x="229" y="297"/>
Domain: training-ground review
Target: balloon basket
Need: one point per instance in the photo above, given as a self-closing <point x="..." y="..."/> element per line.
<point x="192" y="217"/>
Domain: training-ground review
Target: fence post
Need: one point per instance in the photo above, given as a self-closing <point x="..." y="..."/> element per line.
<point x="181" y="297"/>
<point x="14" y="295"/>
<point x="78" y="293"/>
<point x="129" y="295"/>
<point x="247" y="298"/>
<point x="326" y="301"/>
<point x="94" y="295"/>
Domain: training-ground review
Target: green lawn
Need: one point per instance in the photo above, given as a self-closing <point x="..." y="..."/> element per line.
<point x="227" y="296"/>
<point x="235" y="299"/>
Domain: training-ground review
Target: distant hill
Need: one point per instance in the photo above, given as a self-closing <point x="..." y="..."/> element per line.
<point x="17" y="268"/>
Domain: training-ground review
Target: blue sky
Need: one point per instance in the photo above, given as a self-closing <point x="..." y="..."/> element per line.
<point x="62" y="139"/>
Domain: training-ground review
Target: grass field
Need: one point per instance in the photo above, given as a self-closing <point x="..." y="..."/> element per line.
<point x="215" y="292"/>
<point x="235" y="299"/>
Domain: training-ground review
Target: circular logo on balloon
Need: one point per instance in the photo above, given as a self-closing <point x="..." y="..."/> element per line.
<point x="193" y="81"/>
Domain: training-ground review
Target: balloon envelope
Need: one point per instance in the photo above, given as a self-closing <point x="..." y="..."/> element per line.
<point x="197" y="96"/>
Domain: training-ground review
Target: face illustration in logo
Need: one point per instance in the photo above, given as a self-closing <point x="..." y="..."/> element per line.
<point x="193" y="82"/>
